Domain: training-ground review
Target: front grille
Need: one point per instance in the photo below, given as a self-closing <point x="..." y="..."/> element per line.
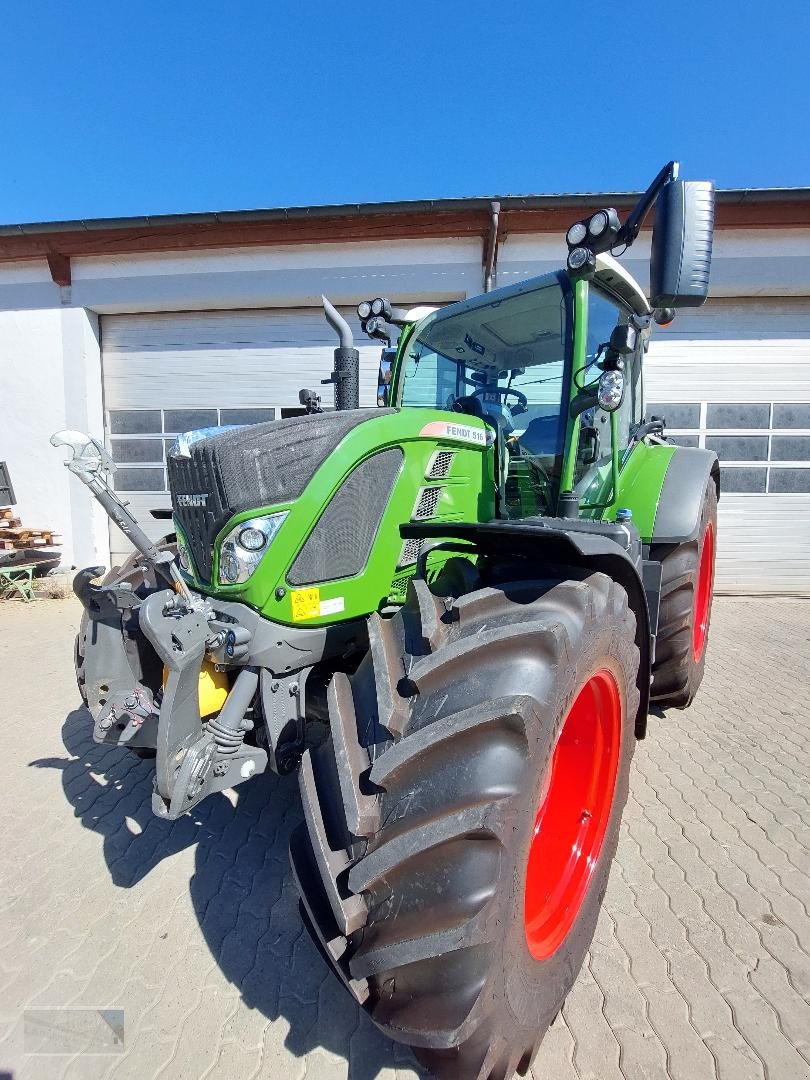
<point x="199" y="475"/>
<point x="399" y="587"/>
<point x="427" y="502"/>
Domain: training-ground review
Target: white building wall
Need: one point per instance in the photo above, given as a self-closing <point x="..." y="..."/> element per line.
<point x="50" y="378"/>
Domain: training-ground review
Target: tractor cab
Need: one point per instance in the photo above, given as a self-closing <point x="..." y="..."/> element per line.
<point x="506" y="358"/>
<point x="552" y="365"/>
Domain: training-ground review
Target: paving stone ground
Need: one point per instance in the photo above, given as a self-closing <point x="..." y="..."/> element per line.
<point x="700" y="967"/>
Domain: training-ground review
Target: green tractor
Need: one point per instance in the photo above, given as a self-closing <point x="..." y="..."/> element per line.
<point x="451" y="613"/>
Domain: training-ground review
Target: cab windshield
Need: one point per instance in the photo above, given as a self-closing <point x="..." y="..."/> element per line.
<point x="502" y="357"/>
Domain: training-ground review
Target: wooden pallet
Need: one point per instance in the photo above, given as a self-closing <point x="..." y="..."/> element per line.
<point x="8" y="517"/>
<point x="15" y="535"/>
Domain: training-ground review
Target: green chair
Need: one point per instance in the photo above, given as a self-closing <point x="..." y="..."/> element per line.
<point x="18" y="579"/>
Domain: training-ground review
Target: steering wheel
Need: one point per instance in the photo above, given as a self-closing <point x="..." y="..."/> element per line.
<point x="504" y="392"/>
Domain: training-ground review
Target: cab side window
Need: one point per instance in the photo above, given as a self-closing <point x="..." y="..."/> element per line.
<point x="630" y="412"/>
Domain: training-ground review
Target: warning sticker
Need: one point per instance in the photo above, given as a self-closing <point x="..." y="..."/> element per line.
<point x="306" y="604"/>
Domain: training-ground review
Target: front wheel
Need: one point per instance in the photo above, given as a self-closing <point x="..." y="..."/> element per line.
<point x="462" y="818"/>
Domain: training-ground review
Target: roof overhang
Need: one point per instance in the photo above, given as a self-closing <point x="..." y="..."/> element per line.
<point x="763" y="208"/>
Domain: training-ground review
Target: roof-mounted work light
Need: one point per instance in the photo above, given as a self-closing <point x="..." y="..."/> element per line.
<point x="581" y="260"/>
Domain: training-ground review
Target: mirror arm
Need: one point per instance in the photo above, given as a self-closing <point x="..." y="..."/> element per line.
<point x="630" y="230"/>
<point x="582" y="402"/>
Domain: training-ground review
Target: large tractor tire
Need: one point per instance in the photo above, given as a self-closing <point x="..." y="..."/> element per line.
<point x="462" y="817"/>
<point x="687" y="582"/>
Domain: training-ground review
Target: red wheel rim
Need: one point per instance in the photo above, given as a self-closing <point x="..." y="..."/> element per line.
<point x="703" y="594"/>
<point x="573" y="814"/>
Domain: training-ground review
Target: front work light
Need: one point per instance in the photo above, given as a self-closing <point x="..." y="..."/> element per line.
<point x="610" y="390"/>
<point x="364" y="309"/>
<point x="576" y="234"/>
<point x="603" y="227"/>
<point x="598" y="223"/>
<point x="581" y="260"/>
<point x="244" y="547"/>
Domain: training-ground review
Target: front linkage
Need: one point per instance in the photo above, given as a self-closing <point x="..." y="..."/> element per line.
<point x="149" y="699"/>
<point x="193" y="758"/>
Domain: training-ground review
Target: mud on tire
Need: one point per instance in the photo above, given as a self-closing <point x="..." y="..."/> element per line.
<point x="420" y="810"/>
<point x="679" y="664"/>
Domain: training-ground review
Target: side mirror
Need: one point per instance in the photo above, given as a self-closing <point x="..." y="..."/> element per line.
<point x="384" y="377"/>
<point x="623" y="339"/>
<point x="682" y="244"/>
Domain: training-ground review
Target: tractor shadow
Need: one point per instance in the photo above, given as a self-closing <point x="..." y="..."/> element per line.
<point x="241" y="890"/>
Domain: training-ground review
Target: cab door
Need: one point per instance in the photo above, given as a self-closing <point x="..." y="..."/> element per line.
<point x="605" y="439"/>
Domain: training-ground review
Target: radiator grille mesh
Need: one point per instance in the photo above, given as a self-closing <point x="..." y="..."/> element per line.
<point x="341" y="542"/>
<point x="409" y="553"/>
<point x="440" y="464"/>
<point x="427" y="502"/>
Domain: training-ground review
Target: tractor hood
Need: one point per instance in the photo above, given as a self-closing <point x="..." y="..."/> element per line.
<point x="227" y="472"/>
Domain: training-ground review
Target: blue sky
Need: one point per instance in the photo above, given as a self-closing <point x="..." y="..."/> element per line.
<point x="122" y="108"/>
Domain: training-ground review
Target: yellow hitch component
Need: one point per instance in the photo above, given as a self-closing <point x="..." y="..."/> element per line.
<point x="213" y="688"/>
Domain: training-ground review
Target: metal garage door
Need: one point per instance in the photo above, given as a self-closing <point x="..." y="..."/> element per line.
<point x="171" y="372"/>
<point x="735" y="377"/>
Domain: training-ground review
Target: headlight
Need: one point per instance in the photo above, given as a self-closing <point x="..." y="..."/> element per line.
<point x="245" y="546"/>
<point x="581" y="260"/>
<point x="252" y="539"/>
<point x="364" y="309"/>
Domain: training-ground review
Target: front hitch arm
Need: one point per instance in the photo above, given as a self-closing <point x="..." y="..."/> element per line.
<point x="194" y="760"/>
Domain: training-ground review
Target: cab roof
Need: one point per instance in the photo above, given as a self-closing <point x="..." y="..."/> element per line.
<point x="611" y="274"/>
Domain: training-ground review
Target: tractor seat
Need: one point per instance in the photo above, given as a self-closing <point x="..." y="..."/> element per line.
<point x="470" y="406"/>
<point x="541" y="435"/>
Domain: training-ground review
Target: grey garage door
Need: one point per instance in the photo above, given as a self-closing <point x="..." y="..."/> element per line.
<point x="735" y="376"/>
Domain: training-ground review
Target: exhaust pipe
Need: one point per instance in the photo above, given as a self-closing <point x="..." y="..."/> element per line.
<point x="346" y="374"/>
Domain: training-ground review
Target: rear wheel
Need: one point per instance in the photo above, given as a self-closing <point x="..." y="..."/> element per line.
<point x="462" y="817"/>
<point x="687" y="582"/>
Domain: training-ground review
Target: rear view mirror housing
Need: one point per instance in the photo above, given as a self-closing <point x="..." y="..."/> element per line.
<point x="682" y="244"/>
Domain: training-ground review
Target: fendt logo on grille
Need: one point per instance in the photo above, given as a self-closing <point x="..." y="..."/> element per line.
<point x="192" y="500"/>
